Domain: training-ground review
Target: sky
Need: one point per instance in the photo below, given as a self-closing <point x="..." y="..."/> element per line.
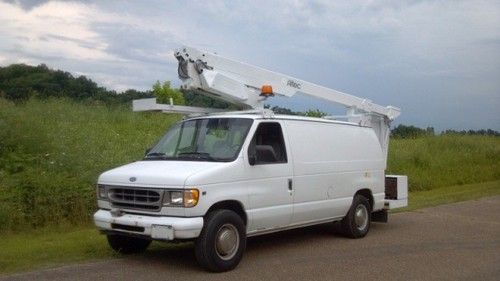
<point x="439" y="61"/>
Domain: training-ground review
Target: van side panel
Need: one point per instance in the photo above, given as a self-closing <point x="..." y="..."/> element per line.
<point x="331" y="163"/>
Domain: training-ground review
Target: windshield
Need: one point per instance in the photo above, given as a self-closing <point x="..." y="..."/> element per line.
<point x="210" y="139"/>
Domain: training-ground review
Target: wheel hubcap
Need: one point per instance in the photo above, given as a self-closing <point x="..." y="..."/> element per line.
<point x="361" y="217"/>
<point x="227" y="241"/>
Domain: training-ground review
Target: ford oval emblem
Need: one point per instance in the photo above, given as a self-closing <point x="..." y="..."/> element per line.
<point x="132" y="179"/>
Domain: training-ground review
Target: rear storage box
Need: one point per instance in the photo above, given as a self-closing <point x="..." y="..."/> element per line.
<point x="396" y="191"/>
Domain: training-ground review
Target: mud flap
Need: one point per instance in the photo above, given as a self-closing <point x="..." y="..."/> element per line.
<point x="380" y="216"/>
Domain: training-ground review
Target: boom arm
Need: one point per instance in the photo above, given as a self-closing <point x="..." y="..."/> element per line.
<point x="240" y="84"/>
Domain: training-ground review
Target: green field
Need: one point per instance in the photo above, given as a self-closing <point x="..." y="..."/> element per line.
<point x="447" y="160"/>
<point x="52" y="151"/>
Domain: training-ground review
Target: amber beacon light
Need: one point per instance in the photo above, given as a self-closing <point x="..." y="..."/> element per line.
<point x="267" y="91"/>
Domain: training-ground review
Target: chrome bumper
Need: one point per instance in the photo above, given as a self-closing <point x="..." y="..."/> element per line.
<point x="157" y="228"/>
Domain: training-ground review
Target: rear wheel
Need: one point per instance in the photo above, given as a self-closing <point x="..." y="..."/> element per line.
<point x="356" y="223"/>
<point x="127" y="245"/>
<point x="222" y="241"/>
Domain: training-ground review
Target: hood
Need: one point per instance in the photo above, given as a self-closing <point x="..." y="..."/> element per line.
<point x="155" y="173"/>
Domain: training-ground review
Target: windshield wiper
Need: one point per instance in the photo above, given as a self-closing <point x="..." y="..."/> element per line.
<point x="196" y="155"/>
<point x="156" y="155"/>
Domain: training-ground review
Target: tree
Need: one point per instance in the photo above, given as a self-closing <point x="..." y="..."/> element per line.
<point x="482" y="132"/>
<point x="283" y="110"/>
<point x="164" y="92"/>
<point x="315" y="113"/>
<point x="403" y="131"/>
<point x="20" y="82"/>
<point x="195" y="99"/>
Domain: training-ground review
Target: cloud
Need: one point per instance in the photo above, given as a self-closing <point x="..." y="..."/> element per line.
<point x="119" y="50"/>
<point x="54" y="29"/>
<point x="425" y="56"/>
<point x="415" y="37"/>
<point x="26" y="4"/>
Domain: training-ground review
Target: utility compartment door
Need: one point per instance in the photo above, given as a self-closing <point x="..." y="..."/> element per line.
<point x="270" y="172"/>
<point x="396" y="191"/>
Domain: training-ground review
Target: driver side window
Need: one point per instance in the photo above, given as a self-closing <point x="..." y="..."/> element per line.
<point x="267" y="145"/>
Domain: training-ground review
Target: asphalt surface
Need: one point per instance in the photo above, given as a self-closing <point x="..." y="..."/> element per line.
<point x="451" y="242"/>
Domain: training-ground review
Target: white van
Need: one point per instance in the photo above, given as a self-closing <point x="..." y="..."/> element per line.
<point x="219" y="179"/>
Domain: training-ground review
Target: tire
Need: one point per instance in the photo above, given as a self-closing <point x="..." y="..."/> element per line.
<point x="127" y="245"/>
<point x="356" y="223"/>
<point x="222" y="241"/>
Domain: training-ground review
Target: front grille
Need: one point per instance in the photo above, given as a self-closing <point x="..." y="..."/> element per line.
<point x="135" y="198"/>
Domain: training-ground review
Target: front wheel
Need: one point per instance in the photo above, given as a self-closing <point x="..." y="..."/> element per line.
<point x="222" y="241"/>
<point x="127" y="245"/>
<point x="356" y="223"/>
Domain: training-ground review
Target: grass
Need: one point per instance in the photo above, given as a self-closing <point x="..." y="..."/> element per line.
<point x="29" y="251"/>
<point x="42" y="249"/>
<point x="451" y="194"/>
<point x="52" y="151"/>
<point x="448" y="160"/>
<point x="49" y="248"/>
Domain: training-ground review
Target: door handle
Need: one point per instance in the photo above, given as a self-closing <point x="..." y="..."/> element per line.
<point x="290" y="185"/>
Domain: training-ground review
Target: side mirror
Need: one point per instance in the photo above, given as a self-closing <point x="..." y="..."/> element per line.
<point x="252" y="159"/>
<point x="147" y="151"/>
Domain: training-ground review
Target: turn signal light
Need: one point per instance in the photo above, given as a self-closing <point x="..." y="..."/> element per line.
<point x="191" y="197"/>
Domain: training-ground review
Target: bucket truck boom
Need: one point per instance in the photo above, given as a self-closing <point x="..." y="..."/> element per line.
<point x="241" y="84"/>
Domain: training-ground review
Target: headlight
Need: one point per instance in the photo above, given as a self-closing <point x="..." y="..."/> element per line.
<point x="177" y="198"/>
<point x="102" y="192"/>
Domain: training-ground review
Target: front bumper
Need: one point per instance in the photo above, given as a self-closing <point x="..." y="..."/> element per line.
<point x="158" y="228"/>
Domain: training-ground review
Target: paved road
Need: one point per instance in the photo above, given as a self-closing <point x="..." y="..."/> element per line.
<point x="451" y="242"/>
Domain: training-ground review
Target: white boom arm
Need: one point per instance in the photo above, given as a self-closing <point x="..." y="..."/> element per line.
<point x="241" y="83"/>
